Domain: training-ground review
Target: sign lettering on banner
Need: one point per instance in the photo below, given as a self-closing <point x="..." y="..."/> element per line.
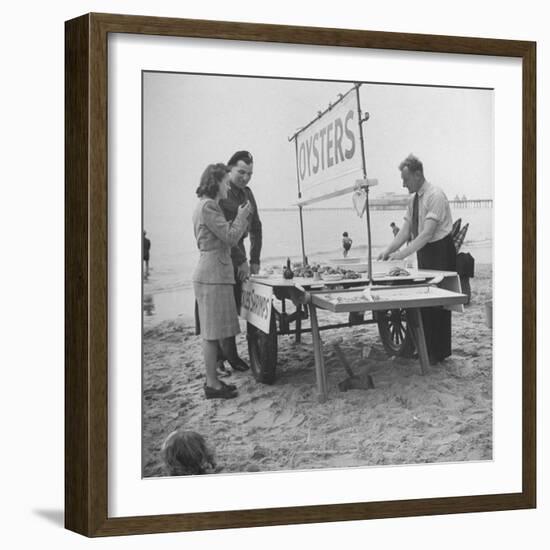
<point x="328" y="151"/>
<point x="256" y="300"/>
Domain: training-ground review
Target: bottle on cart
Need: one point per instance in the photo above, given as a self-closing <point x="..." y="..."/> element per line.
<point x="287" y="271"/>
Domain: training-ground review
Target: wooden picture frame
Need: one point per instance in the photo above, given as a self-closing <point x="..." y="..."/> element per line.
<point x="86" y="278"/>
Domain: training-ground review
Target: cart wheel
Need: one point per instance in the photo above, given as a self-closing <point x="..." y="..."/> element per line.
<point x="392" y="326"/>
<point x="262" y="350"/>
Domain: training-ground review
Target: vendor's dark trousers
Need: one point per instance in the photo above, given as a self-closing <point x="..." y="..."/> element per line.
<point x="440" y="255"/>
<point x="229" y="346"/>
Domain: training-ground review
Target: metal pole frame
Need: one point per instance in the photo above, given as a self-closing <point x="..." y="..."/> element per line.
<point x="304" y="257"/>
<point x="331" y="106"/>
<point x="365" y="187"/>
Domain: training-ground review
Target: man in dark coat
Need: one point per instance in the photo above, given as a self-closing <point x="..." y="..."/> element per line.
<point x="241" y="167"/>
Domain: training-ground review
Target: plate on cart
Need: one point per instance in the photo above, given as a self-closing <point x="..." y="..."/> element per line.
<point x="379" y="268"/>
<point x="331" y="277"/>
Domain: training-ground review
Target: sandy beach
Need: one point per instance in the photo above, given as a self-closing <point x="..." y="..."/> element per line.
<point x="407" y="418"/>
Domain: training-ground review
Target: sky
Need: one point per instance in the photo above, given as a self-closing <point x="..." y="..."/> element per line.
<point x="191" y="121"/>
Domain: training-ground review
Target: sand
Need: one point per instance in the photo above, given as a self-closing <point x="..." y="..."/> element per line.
<point x="444" y="415"/>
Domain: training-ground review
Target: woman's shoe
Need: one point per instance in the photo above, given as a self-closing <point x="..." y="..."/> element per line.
<point x="225" y="392"/>
<point x="239" y="364"/>
<point x="232" y="386"/>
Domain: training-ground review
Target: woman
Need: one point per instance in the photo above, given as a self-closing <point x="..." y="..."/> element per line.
<point x="213" y="278"/>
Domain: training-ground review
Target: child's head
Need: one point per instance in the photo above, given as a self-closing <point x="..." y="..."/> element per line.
<point x="345" y="234"/>
<point x="186" y="453"/>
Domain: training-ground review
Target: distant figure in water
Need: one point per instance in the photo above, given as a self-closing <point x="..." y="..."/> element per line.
<point x="148" y="305"/>
<point x="394" y="228"/>
<point x="186" y="453"/>
<point x="346" y="242"/>
<point x="146" y="249"/>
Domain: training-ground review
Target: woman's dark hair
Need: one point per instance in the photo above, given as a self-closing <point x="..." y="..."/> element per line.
<point x="210" y="180"/>
<point x="186" y="453"/>
<point x="345" y="234"/>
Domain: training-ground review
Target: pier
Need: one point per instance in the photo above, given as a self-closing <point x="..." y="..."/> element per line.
<point x="382" y="204"/>
<point x="473" y="203"/>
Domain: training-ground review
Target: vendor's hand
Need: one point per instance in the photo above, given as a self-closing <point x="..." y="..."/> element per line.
<point x="383" y="256"/>
<point x="243" y="272"/>
<point x="254" y="269"/>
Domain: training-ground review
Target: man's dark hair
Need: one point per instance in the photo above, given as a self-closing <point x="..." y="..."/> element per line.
<point x="413" y="164"/>
<point x="345" y="234"/>
<point x="210" y="180"/>
<point x="245" y="156"/>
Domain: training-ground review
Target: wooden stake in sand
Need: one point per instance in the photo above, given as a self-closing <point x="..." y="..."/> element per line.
<point x="353" y="382"/>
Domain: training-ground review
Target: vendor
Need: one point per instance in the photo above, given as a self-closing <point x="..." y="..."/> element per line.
<point x="428" y="223"/>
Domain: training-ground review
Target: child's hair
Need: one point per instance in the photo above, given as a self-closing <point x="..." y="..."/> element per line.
<point x="345" y="234"/>
<point x="186" y="453"/>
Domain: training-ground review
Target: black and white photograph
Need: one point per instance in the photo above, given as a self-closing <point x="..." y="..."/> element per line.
<point x="317" y="274"/>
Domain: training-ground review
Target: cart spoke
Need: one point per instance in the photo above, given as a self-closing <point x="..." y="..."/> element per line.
<point x="392" y="325"/>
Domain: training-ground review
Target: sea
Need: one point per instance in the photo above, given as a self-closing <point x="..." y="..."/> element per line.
<point x="168" y="292"/>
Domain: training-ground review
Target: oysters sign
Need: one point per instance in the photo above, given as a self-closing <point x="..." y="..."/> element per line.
<point x="328" y="151"/>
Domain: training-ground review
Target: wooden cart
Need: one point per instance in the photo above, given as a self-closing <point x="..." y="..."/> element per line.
<point x="395" y="312"/>
<point x="398" y="320"/>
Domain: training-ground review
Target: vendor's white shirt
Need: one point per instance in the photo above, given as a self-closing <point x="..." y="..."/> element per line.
<point x="432" y="204"/>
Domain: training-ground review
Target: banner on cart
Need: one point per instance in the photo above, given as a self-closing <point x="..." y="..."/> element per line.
<point x="256" y="303"/>
<point x="328" y="150"/>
